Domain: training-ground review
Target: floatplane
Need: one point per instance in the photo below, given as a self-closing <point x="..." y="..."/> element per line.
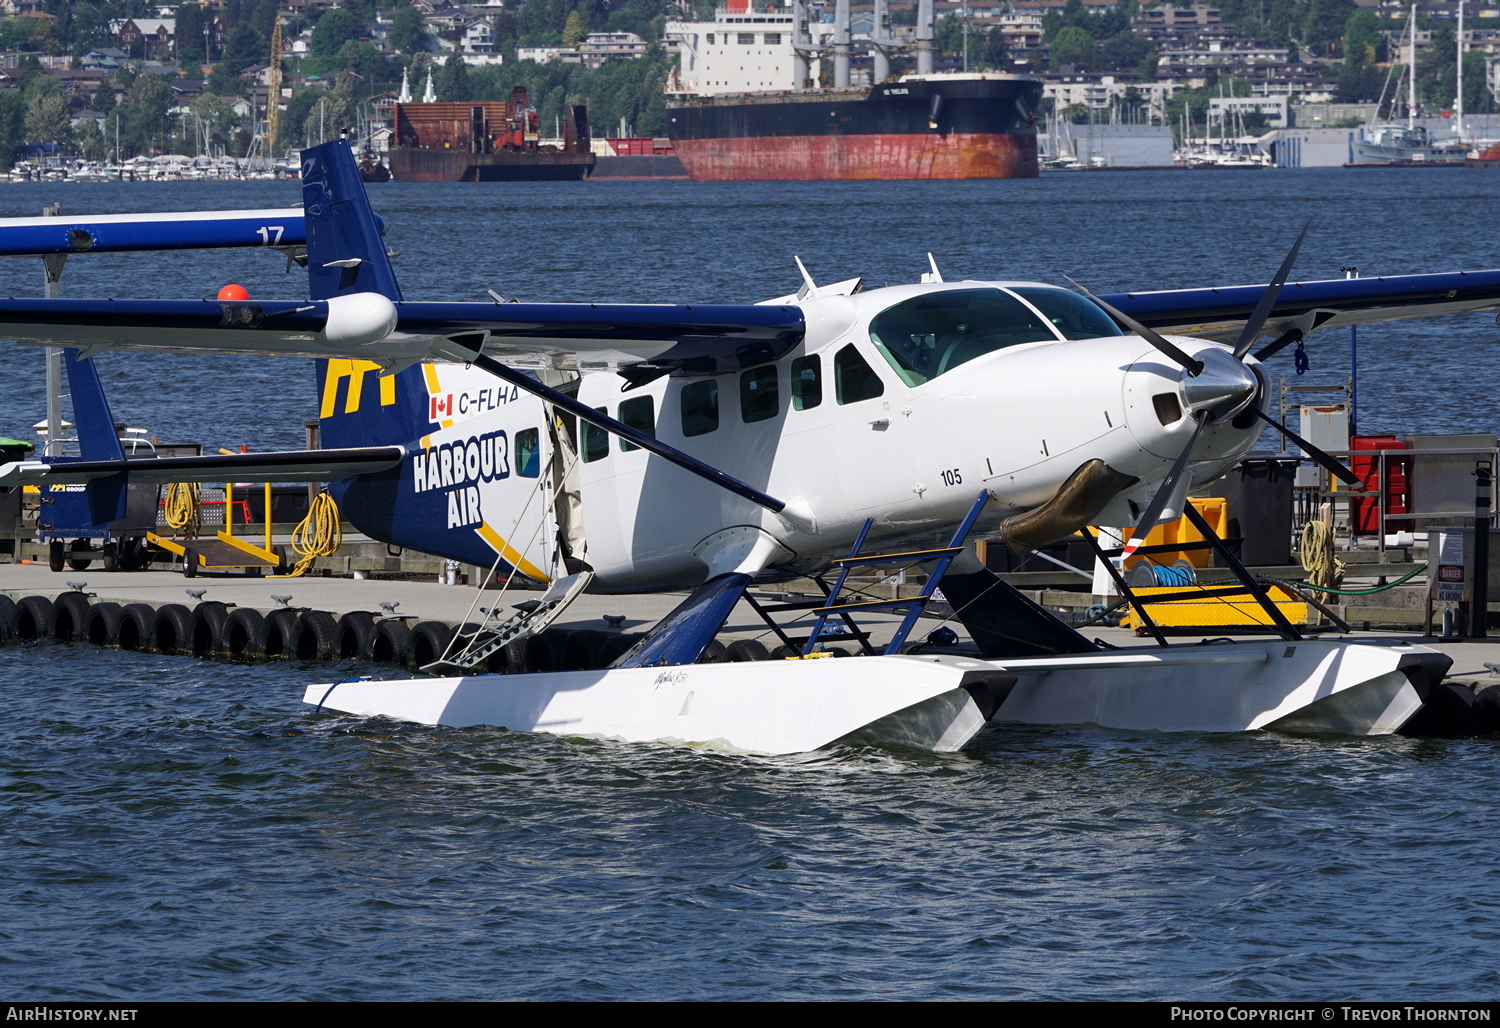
<point x="704" y="448"/>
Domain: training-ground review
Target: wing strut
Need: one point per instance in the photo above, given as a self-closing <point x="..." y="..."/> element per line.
<point x="583" y="412"/>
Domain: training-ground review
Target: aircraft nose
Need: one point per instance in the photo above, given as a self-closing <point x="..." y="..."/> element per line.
<point x="1222" y="388"/>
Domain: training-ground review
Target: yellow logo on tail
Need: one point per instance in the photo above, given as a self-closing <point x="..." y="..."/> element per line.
<point x="355" y="372"/>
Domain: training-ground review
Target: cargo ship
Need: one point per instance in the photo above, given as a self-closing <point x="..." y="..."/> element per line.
<point x="745" y="107"/>
<point x="490" y="141"/>
<point x="920" y="127"/>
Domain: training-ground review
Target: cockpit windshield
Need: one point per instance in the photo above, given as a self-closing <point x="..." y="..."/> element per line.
<point x="1074" y="316"/>
<point x="930" y="335"/>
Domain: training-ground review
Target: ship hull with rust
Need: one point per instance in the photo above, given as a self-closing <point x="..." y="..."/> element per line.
<point x="937" y="127"/>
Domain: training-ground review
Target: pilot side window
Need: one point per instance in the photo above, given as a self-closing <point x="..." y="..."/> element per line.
<point x="639" y="412"/>
<point x="758" y="396"/>
<point x="595" y="440"/>
<point x="807" y="382"/>
<point x="853" y="379"/>
<point x="700" y="407"/>
<point x="528" y="453"/>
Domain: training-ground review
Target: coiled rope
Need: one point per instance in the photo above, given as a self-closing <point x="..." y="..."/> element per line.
<point x="181" y="510"/>
<point x="1324" y="570"/>
<point x="317" y="535"/>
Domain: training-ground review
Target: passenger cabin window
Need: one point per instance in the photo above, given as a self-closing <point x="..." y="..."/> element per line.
<point x="528" y="453"/>
<point x="930" y="335"/>
<point x="758" y="397"/>
<point x="700" y="407"/>
<point x="595" y="440"/>
<point x="639" y="413"/>
<point x="747" y="38"/>
<point x="853" y="379"/>
<point x="807" y="382"/>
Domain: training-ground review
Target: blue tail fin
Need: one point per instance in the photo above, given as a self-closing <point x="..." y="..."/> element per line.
<point x="97" y="438"/>
<point x="345" y="253"/>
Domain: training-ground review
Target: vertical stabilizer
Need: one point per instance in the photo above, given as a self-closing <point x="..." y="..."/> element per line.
<point x="345" y="253"/>
<point x="97" y="437"/>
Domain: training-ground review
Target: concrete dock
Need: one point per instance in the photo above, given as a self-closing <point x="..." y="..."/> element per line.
<point x="426" y="600"/>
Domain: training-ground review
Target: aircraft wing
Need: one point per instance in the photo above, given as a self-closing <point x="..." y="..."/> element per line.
<point x="369" y="326"/>
<point x="128" y="233"/>
<point x="1222" y="312"/>
<point x="288" y="466"/>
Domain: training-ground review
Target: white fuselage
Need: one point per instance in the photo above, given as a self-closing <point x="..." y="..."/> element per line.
<point x="1016" y="421"/>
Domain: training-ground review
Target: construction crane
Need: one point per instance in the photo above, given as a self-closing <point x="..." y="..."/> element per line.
<point x="273" y="89"/>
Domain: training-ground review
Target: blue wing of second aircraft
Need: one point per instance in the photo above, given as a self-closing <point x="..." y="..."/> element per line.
<point x="128" y="233"/>
<point x="1220" y="313"/>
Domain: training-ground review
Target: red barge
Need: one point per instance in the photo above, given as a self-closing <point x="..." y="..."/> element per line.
<point x="489" y="141"/>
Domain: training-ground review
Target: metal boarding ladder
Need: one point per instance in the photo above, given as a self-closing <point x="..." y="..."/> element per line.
<point x="494" y="634"/>
<point x="915" y="604"/>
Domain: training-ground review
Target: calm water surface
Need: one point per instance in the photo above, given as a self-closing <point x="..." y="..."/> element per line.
<point x="173" y="829"/>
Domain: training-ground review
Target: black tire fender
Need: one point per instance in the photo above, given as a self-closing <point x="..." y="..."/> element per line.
<point x="70" y="618"/>
<point x="392" y="643"/>
<point x="7" y="619"/>
<point x="582" y="649"/>
<point x="103" y="626"/>
<point x="243" y="636"/>
<point x="546" y="651"/>
<point x="356" y="636"/>
<point x="428" y="641"/>
<point x="171" y="630"/>
<point x="33" y="615"/>
<point x="744" y="650"/>
<point x="316" y="636"/>
<point x="616" y="646"/>
<point x="135" y="627"/>
<point x="206" y="627"/>
<point x="281" y="632"/>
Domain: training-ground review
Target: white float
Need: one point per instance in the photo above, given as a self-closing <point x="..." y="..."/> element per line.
<point x="930" y="702"/>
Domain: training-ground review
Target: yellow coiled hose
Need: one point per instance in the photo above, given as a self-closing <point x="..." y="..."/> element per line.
<point x="181" y="510"/>
<point x="317" y="535"/>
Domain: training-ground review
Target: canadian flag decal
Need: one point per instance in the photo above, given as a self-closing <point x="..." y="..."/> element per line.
<point x="442" y="406"/>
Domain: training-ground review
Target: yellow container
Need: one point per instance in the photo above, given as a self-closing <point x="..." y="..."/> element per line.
<point x="1215" y="511"/>
<point x="1239" y="611"/>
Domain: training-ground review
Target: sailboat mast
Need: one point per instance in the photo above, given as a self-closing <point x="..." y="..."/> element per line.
<point x="1458" y="106"/>
<point x="1411" y="78"/>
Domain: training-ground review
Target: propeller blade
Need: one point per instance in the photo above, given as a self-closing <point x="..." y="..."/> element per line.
<point x="1268" y="300"/>
<point x="1147" y="520"/>
<point x="1168" y="349"/>
<point x="1333" y="464"/>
